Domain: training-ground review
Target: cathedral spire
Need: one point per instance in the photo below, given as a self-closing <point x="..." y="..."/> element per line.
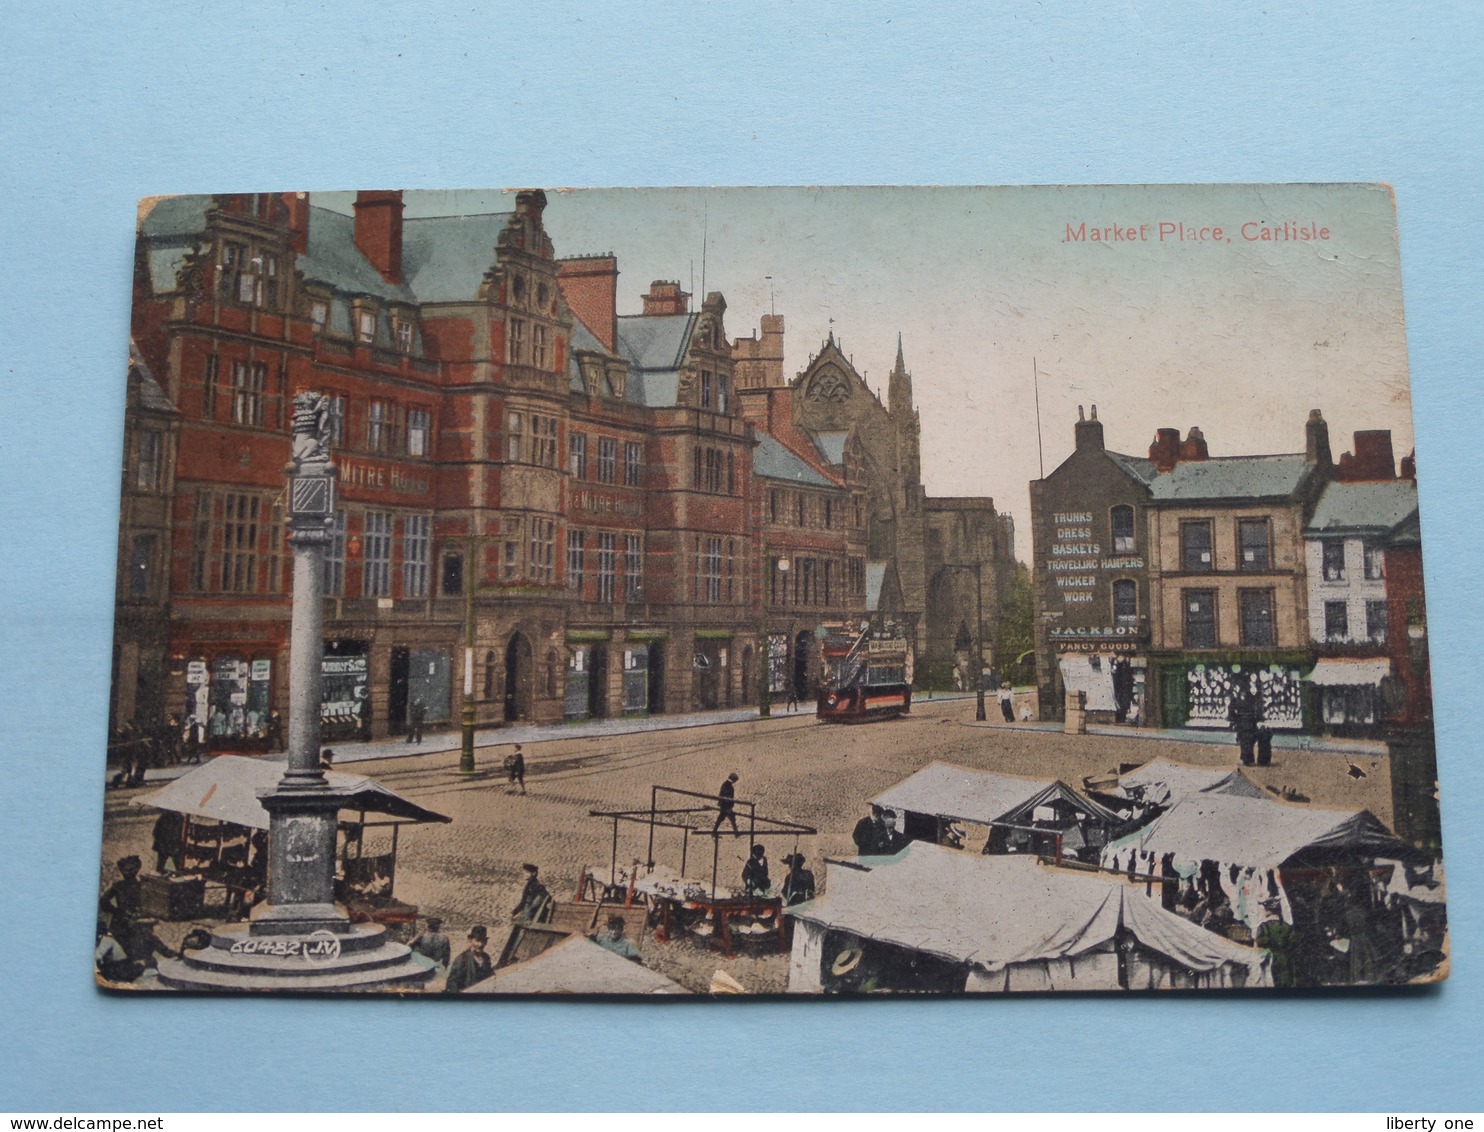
<point x="899" y="385"/>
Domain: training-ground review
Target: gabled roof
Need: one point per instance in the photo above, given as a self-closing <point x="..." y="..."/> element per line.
<point x="962" y="794"/>
<point x="1347" y="508"/>
<point x="333" y="259"/>
<point x="773" y="460"/>
<point x="1232" y="477"/>
<point x="444" y="258"/>
<point x="997" y="911"/>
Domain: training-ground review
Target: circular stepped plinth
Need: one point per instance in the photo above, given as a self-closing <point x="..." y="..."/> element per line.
<point x="360" y="958"/>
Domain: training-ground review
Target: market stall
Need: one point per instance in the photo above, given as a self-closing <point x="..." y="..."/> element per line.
<point x="223" y="830"/>
<point x="695" y="901"/>
<point x="576" y="965"/>
<point x="932" y="920"/>
<point x="1021" y="815"/>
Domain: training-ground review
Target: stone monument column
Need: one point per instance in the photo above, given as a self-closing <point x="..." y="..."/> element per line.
<point x="299" y="939"/>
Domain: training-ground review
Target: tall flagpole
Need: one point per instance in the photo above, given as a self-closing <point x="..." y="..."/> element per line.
<point x="1040" y="451"/>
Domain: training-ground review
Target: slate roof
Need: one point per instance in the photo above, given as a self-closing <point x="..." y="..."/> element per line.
<point x="334" y="259"/>
<point x="151" y="395"/>
<point x="176" y="216"/>
<point x="775" y="462"/>
<point x="1136" y="466"/>
<point x="444" y="258"/>
<point x="875" y="580"/>
<point x="1357" y="507"/>
<point x="1232" y="477"/>
<point x="582" y="339"/>
<point x="654" y="345"/>
<point x="831" y="445"/>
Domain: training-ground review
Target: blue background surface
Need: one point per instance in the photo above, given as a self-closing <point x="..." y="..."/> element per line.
<point x="100" y="104"/>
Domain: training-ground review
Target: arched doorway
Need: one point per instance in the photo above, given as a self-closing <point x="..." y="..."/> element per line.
<point x="804" y="665"/>
<point x="518" y="676"/>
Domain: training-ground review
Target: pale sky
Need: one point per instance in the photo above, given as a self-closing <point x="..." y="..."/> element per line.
<point x="1239" y="337"/>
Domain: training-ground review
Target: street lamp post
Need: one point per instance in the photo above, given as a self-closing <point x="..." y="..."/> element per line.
<point x="765" y="688"/>
<point x="979" y="712"/>
<point x="466" y="746"/>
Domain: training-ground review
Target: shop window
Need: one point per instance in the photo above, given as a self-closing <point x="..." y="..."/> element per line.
<point x="607" y="566"/>
<point x="1255" y="608"/>
<point x="1123" y="529"/>
<point x="376" y="577"/>
<point x="1334" y="560"/>
<point x="1254" y="540"/>
<point x="1200" y="619"/>
<point x="577" y="455"/>
<point x="633" y="460"/>
<point x="1125" y="602"/>
<point x="419" y="431"/>
<point x="416" y="551"/>
<point x="1376" y="617"/>
<point x="1336" y="621"/>
<point x="576" y="556"/>
<point x="607" y="460"/>
<point x="249" y="385"/>
<point x="1195" y="547"/>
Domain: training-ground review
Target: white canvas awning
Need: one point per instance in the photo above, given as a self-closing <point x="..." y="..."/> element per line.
<point x="1161" y="782"/>
<point x="228" y="788"/>
<point x="576" y="965"/>
<point x="1256" y="832"/>
<point x="1354" y="672"/>
<point x="960" y="794"/>
<point x="996" y="911"/>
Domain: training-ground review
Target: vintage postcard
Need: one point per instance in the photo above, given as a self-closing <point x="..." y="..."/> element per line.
<point x="770" y="591"/>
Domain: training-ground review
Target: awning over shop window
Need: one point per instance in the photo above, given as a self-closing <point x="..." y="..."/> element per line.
<point x="1348" y="672"/>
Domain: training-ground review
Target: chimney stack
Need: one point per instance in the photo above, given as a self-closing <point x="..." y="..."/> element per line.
<point x="1194" y="446"/>
<point x="1089" y="432"/>
<point x="666" y="297"/>
<point x="298" y="207"/>
<point x="590" y="285"/>
<point x="1165" y="451"/>
<point x="379" y="231"/>
<point x="1316" y="437"/>
<point x="1373" y="460"/>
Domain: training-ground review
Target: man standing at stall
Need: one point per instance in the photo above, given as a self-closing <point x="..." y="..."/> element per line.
<point x="472" y="965"/>
<point x="726" y="804"/>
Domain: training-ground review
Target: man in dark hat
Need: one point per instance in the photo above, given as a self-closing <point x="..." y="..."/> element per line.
<point x="433" y="944"/>
<point x="515" y="768"/>
<point x="869" y="834"/>
<point x="798" y="885"/>
<point x="327" y="759"/>
<point x="415" y="717"/>
<point x="726" y="803"/>
<point x="472" y="965"/>
<point x="536" y="905"/>
<point x="613" y="939"/>
<point x="755" y="873"/>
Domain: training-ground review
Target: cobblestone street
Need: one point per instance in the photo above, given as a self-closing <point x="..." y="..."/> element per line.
<point x="791" y="767"/>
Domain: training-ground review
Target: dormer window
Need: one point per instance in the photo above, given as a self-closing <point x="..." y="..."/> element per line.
<point x="247" y="277"/>
<point x="366" y="326"/>
<point x="404" y="335"/>
<point x="319" y="314"/>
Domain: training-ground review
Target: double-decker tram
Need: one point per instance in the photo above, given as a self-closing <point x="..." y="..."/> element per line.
<point x="867" y="674"/>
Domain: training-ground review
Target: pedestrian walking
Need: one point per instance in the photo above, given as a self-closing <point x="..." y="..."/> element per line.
<point x="415" y="716"/>
<point x="1241" y="713"/>
<point x="168" y="841"/>
<point x="793" y="696"/>
<point x="1007" y="703"/>
<point x="472" y="964"/>
<point x="275" y="731"/>
<point x="515" y="770"/>
<point x="726" y="804"/>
